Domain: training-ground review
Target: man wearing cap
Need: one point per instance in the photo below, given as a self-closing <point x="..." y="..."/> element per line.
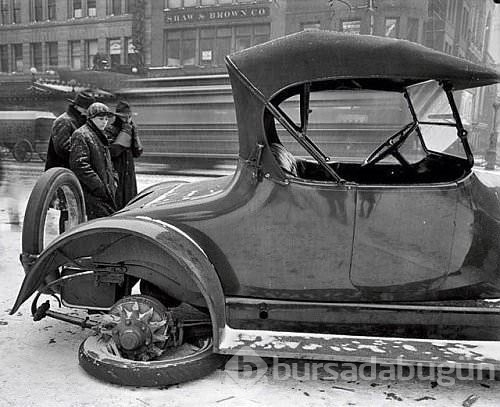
<point x="125" y="146"/>
<point x="63" y="127"/>
<point x="90" y="160"/>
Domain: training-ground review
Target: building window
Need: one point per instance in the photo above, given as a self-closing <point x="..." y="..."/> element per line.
<point x="90" y="53"/>
<point x="91" y="8"/>
<point x="51" y="10"/>
<point x="209" y="46"/>
<point x="115" y="7"/>
<point x="351" y="26"/>
<point x="465" y="24"/>
<point x="315" y="25"/>
<point x="132" y="57"/>
<point x="180" y="3"/>
<point x="52" y="54"/>
<point x="114" y="51"/>
<point x="392" y="27"/>
<point x="77" y="9"/>
<point x="16" y="15"/>
<point x="37" y="10"/>
<point x="17" y="56"/>
<point x="36" y="55"/>
<point x="181" y="47"/>
<point x="126" y="7"/>
<point x="412" y="29"/>
<point x="4" y="12"/>
<point x="75" y="56"/>
<point x="4" y="58"/>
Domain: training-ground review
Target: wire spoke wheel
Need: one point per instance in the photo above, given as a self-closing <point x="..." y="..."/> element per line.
<point x="22" y="151"/>
<point x="55" y="205"/>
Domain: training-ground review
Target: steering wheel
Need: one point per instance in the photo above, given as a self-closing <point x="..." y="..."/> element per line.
<point x="390" y="146"/>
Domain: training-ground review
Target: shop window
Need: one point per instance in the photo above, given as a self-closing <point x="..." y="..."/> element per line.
<point x="52" y="54"/>
<point x="208" y="2"/>
<point x="207" y="46"/>
<point x="51" y="10"/>
<point x="173" y="48"/>
<point x="4" y="58"/>
<point x="351" y="26"/>
<point x="243" y="37"/>
<point x="4" y="12"/>
<point x="75" y="56"/>
<point x="16" y="15"/>
<point x="391" y="27"/>
<point x="126" y="7"/>
<point x="412" y="29"/>
<point x="36" y="55"/>
<point x="223" y="45"/>
<point x="262" y="33"/>
<point x="90" y="53"/>
<point x="114" y="51"/>
<point x="91" y="8"/>
<point x="17" y="56"/>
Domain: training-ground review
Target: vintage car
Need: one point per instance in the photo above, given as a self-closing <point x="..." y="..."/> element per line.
<point x="292" y="250"/>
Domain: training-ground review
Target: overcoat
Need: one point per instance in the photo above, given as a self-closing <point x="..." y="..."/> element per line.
<point x="60" y="135"/>
<point x="90" y="160"/>
<point x="123" y="160"/>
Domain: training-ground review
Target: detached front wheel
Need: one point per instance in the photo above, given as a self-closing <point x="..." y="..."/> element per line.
<point x="142" y="344"/>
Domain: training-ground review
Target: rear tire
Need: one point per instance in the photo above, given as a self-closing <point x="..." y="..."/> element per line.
<point x="57" y="182"/>
<point x="98" y="362"/>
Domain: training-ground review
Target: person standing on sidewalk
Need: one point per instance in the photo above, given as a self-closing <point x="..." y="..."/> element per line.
<point x="125" y="147"/>
<point x="63" y="127"/>
<point x="90" y="160"/>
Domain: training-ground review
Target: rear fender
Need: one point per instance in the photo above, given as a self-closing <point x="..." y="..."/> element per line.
<point x="149" y="249"/>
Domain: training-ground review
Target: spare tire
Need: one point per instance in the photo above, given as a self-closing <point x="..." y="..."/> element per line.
<point x="56" y="195"/>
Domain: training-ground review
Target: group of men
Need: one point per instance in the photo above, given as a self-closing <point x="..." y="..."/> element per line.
<point x="99" y="146"/>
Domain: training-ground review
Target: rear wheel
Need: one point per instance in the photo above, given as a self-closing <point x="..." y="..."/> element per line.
<point x="22" y="151"/>
<point x="144" y="344"/>
<point x="56" y="204"/>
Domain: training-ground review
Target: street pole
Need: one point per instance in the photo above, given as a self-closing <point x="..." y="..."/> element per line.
<point x="491" y="153"/>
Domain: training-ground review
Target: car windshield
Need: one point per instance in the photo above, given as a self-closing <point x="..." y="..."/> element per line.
<point x="347" y="125"/>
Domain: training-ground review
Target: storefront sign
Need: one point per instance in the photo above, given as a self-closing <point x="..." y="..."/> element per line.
<point x="197" y="15"/>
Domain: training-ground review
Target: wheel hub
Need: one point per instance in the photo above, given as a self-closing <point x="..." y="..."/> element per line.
<point x="140" y="328"/>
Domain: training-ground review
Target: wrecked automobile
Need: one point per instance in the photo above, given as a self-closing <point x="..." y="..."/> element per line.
<point x="355" y="202"/>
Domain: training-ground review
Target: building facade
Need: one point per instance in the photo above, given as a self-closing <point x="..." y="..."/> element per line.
<point x="41" y="35"/>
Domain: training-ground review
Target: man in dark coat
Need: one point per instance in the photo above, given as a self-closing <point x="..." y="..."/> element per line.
<point x="90" y="160"/>
<point x="62" y="129"/>
<point x="125" y="146"/>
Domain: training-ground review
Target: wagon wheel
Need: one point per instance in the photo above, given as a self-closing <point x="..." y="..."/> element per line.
<point x="56" y="204"/>
<point x="22" y="151"/>
<point x="142" y="343"/>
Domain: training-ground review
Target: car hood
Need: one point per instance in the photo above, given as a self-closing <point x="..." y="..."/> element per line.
<point x="169" y="193"/>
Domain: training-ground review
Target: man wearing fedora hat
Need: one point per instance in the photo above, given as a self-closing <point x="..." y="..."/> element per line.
<point x="63" y="127"/>
<point x="124" y="148"/>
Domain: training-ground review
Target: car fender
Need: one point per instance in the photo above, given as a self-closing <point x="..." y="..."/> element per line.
<point x="125" y="239"/>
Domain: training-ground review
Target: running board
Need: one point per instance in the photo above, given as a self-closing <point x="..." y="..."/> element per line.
<point x="370" y="349"/>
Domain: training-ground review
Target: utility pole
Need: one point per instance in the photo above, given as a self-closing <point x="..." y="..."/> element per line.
<point x="491" y="153"/>
<point x="371" y="9"/>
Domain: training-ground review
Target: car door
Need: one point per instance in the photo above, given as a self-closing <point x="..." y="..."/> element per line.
<point x="403" y="239"/>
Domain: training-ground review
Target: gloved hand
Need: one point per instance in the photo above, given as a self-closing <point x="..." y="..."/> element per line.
<point x="127" y="128"/>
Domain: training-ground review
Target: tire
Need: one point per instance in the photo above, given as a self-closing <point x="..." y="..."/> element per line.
<point x="101" y="364"/>
<point x="22" y="151"/>
<point x="58" y="184"/>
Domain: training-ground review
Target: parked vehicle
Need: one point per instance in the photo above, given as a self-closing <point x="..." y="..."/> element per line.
<point x="287" y="252"/>
<point x="25" y="132"/>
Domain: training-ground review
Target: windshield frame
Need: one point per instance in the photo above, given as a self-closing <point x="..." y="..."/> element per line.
<point x="299" y="133"/>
